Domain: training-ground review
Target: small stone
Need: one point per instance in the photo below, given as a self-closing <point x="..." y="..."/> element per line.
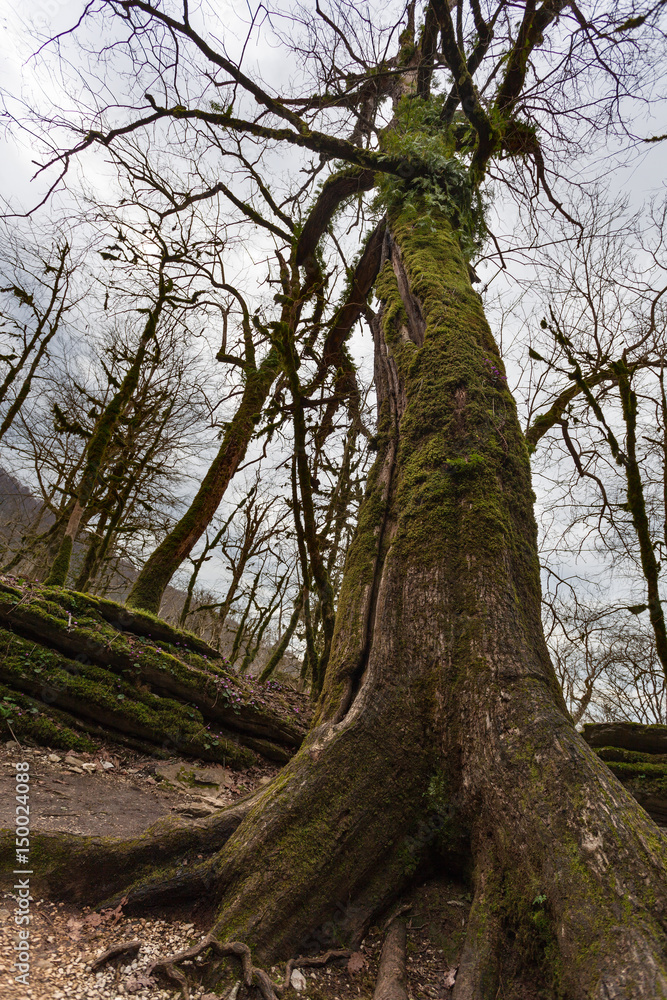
<point x="298" y="980"/>
<point x="107" y="765"/>
<point x="54" y="758"/>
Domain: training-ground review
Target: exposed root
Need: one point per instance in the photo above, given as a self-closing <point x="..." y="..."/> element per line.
<point x="391" y="978"/>
<point x="252" y="974"/>
<point x="170" y="885"/>
<point x="120" y="950"/>
<point x="311" y="962"/>
<point x="97" y="869"/>
<point x="477" y="975"/>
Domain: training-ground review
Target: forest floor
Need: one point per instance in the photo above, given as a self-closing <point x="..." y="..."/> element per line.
<point x="117" y="792"/>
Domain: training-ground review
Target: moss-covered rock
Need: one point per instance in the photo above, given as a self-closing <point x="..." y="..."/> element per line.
<point x="31" y="721"/>
<point x="95" y="662"/>
<point x="643" y="774"/>
<point x="627" y="736"/>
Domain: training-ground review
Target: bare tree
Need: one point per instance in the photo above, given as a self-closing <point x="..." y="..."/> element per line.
<point x="37" y="295"/>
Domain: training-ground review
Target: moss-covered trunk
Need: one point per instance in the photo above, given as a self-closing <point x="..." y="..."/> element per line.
<point x="441" y="722"/>
<point x="441" y="733"/>
<point x="146" y="594"/>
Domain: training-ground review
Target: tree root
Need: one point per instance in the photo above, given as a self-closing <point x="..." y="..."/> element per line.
<point x="252" y="974"/>
<point x="124" y="948"/>
<point x="477" y="975"/>
<point x="91" y="869"/>
<point x="391" y="978"/>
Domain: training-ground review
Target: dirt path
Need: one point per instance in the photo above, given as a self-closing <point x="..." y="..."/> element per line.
<point x="116" y="792"/>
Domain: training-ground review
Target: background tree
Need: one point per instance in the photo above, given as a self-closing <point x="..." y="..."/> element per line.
<point x="596" y="405"/>
<point x="37" y="295"/>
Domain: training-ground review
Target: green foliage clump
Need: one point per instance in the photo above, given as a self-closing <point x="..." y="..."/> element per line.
<point x="444" y="188"/>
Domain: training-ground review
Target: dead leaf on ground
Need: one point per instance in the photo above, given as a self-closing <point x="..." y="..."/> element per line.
<point x="450" y="978"/>
<point x="356" y="963"/>
<point x="139" y="982"/>
<point x="74" y="927"/>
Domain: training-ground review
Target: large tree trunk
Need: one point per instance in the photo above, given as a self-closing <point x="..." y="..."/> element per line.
<point x="442" y="733"/>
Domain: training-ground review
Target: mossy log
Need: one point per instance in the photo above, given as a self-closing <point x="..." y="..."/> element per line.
<point x="67" y="651"/>
<point x="627" y="736"/>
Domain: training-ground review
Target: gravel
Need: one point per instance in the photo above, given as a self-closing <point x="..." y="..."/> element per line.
<point x="65" y="942"/>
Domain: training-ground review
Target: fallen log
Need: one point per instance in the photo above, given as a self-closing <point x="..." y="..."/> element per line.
<point x="626" y="736"/>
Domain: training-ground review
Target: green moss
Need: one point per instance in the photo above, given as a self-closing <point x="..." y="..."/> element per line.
<point x="100" y="695"/>
<point x="136" y="653"/>
<point x="619" y="755"/>
<point x="445" y="189"/>
<point x="33" y="722"/>
<point x="621" y="769"/>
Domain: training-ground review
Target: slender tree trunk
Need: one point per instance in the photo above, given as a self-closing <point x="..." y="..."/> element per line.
<point x="280" y="649"/>
<point x="150" y="585"/>
<point x="96" y="449"/>
<point x="442" y="733"/>
<point x="49" y="322"/>
<point x="637" y="507"/>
